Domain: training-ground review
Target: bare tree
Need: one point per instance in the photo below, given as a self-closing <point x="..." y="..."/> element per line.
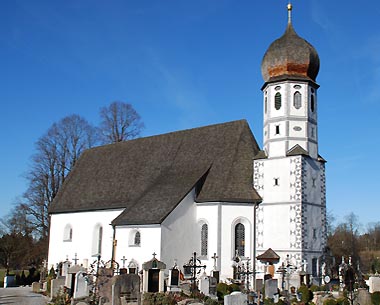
<point x="56" y="153"/>
<point x="119" y="122"/>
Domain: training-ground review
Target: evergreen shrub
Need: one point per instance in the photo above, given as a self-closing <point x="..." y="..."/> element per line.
<point x="329" y="302"/>
<point x="375" y="298"/>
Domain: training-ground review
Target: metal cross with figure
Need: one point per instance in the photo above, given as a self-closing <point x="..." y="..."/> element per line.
<point x="215" y="257"/>
<point x="75" y="259"/>
<point x="123" y="260"/>
<point x="247" y="272"/>
<point x="192" y="264"/>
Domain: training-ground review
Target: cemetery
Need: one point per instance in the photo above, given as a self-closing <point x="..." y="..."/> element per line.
<point x="156" y="282"/>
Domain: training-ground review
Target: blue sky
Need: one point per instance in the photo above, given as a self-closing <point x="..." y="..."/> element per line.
<point x="185" y="64"/>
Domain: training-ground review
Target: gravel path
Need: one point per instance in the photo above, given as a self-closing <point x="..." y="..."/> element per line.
<point x="21" y="296"/>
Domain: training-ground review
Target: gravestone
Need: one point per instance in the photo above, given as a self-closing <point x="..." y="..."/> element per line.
<point x="235" y="298"/>
<point x="364" y="297"/>
<point x="64" y="269"/>
<point x="204" y="284"/>
<point x="36" y="287"/>
<point x="56" y="286"/>
<point x="213" y="286"/>
<point x="174" y="277"/>
<point x="81" y="288"/>
<point x="207" y="285"/>
<point x="215" y="274"/>
<point x="374" y="284"/>
<point x="271" y="288"/>
<point x="126" y="289"/>
<point x="104" y="284"/>
<point x="70" y="278"/>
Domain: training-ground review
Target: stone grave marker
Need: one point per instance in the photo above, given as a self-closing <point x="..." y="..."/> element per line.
<point x="207" y="285"/>
<point x="36" y="287"/>
<point x="235" y="298"/>
<point x="64" y="270"/>
<point x="204" y="284"/>
<point x="56" y="286"/>
<point x="126" y="289"/>
<point x="374" y="284"/>
<point x="174" y="278"/>
<point x="70" y="277"/>
<point x="104" y="284"/>
<point x="364" y="297"/>
<point x="81" y="288"/>
<point x="271" y="286"/>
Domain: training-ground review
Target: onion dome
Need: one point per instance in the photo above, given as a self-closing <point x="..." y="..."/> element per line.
<point x="290" y="56"/>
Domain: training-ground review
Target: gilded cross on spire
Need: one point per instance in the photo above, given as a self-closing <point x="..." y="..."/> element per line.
<point x="290" y="7"/>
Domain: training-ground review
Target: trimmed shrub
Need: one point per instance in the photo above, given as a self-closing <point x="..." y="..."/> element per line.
<point x="375" y="298"/>
<point x="329" y="302"/>
<point x="306" y="294"/>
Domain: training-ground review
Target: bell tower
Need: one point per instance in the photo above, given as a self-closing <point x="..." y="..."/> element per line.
<point x="289" y="174"/>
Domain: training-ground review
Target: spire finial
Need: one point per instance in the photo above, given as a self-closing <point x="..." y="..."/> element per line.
<point x="290" y="7"/>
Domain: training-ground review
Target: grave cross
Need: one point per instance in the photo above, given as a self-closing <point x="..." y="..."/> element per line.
<point x="304" y="265"/>
<point x="193" y="265"/>
<point x="214" y="258"/>
<point x="124" y="260"/>
<point x="247" y="272"/>
<point x="75" y="259"/>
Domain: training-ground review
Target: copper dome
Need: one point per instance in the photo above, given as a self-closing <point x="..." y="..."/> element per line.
<point x="290" y="56"/>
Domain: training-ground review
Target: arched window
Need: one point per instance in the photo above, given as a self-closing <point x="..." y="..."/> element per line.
<point x="68" y="233"/>
<point x="297" y="100"/>
<point x="204" y="239"/>
<point x="277" y="101"/>
<point x="240" y="239"/>
<point x="312" y="103"/>
<point x="97" y="241"/>
<point x="137" y="240"/>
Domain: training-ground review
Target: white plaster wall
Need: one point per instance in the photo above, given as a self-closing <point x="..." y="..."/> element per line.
<point x="180" y="237"/>
<point x="83" y="224"/>
<point x="231" y="214"/>
<point x="279" y="169"/>
<point x="276" y="227"/>
<point x="150" y="242"/>
<point x="209" y="213"/>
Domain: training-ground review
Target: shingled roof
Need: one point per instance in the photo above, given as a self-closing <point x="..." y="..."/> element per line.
<point x="154" y="174"/>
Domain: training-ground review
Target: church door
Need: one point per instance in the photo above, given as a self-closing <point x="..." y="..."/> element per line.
<point x="153" y="280"/>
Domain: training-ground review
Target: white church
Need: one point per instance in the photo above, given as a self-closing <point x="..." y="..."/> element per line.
<point x="210" y="190"/>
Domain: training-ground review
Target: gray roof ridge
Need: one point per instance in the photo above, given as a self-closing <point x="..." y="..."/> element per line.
<point x="149" y="188"/>
<point x="240" y="121"/>
<point x="118" y="220"/>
